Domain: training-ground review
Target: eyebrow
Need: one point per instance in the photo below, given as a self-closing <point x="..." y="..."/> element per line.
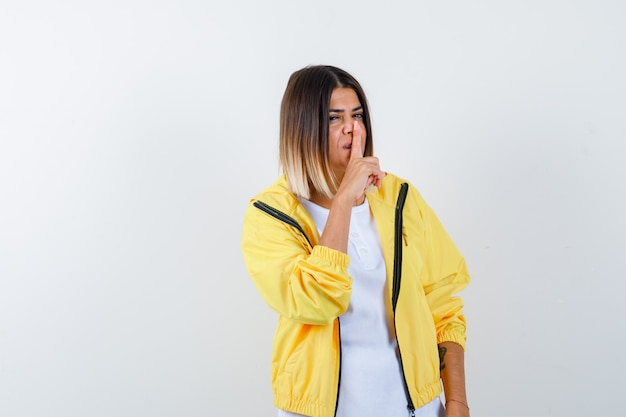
<point x="341" y="110"/>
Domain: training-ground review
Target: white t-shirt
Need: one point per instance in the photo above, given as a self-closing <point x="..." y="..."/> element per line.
<point x="371" y="380"/>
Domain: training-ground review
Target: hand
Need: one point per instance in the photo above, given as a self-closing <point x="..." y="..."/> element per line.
<point x="361" y="172"/>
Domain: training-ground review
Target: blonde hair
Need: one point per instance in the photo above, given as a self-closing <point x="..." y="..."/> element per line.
<point x="304" y="116"/>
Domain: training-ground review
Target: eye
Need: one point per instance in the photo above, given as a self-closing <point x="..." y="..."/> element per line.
<point x="358" y="116"/>
<point x="333" y="118"/>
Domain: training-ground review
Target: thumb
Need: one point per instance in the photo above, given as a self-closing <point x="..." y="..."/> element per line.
<point x="357" y="141"/>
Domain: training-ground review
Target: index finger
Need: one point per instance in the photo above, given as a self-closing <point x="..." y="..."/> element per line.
<point x="357" y="142"/>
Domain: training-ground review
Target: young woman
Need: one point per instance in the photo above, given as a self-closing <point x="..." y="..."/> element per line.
<point x="358" y="267"/>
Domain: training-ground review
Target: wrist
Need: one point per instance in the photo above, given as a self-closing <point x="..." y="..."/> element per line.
<point x="455" y="401"/>
<point x="344" y="199"/>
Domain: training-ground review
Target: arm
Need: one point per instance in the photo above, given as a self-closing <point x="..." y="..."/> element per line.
<point x="451" y="356"/>
<point x="448" y="276"/>
<point x="307" y="285"/>
<point x="445" y="275"/>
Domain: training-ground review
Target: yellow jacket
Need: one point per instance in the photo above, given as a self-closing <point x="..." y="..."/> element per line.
<point x="309" y="287"/>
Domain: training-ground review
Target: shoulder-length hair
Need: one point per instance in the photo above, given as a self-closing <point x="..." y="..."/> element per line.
<point x="304" y="119"/>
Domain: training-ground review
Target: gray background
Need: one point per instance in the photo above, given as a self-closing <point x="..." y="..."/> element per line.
<point x="133" y="133"/>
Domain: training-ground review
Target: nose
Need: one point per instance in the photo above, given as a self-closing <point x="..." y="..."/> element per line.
<point x="348" y="127"/>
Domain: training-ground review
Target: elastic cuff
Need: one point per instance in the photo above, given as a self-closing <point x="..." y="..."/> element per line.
<point x="452" y="336"/>
<point x="332" y="255"/>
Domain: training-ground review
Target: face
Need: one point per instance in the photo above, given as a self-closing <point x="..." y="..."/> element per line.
<point x="345" y="109"/>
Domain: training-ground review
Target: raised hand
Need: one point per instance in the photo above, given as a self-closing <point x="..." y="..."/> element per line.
<point x="361" y="171"/>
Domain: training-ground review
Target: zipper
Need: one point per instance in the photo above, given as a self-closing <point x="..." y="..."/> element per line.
<point x="399" y="238"/>
<point x="339" y="373"/>
<point x="397" y="249"/>
<point x="277" y="214"/>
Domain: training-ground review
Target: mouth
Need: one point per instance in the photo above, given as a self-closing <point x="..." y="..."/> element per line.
<point x="348" y="146"/>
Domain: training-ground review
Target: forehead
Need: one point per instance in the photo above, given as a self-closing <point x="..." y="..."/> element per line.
<point x="344" y="98"/>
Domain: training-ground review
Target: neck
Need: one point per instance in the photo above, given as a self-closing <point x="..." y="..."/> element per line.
<point x="323" y="201"/>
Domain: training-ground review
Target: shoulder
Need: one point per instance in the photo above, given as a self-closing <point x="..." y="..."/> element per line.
<point x="278" y="196"/>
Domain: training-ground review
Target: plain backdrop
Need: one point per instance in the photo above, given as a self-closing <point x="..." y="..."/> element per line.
<point x="133" y="133"/>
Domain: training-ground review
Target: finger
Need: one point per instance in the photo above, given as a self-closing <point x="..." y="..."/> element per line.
<point x="357" y="138"/>
<point x="379" y="180"/>
<point x="377" y="175"/>
<point x="374" y="164"/>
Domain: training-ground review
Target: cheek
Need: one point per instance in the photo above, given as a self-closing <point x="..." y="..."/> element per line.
<point x="334" y="135"/>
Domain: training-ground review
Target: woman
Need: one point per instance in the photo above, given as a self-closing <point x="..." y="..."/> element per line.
<point x="358" y="267"/>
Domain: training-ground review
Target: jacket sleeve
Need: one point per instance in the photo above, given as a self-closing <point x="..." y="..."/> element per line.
<point x="444" y="276"/>
<point x="310" y="286"/>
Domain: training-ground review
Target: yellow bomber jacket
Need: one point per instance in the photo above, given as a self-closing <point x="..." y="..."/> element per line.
<point x="309" y="287"/>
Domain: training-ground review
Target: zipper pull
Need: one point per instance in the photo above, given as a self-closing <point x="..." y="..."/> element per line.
<point x="411" y="410"/>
